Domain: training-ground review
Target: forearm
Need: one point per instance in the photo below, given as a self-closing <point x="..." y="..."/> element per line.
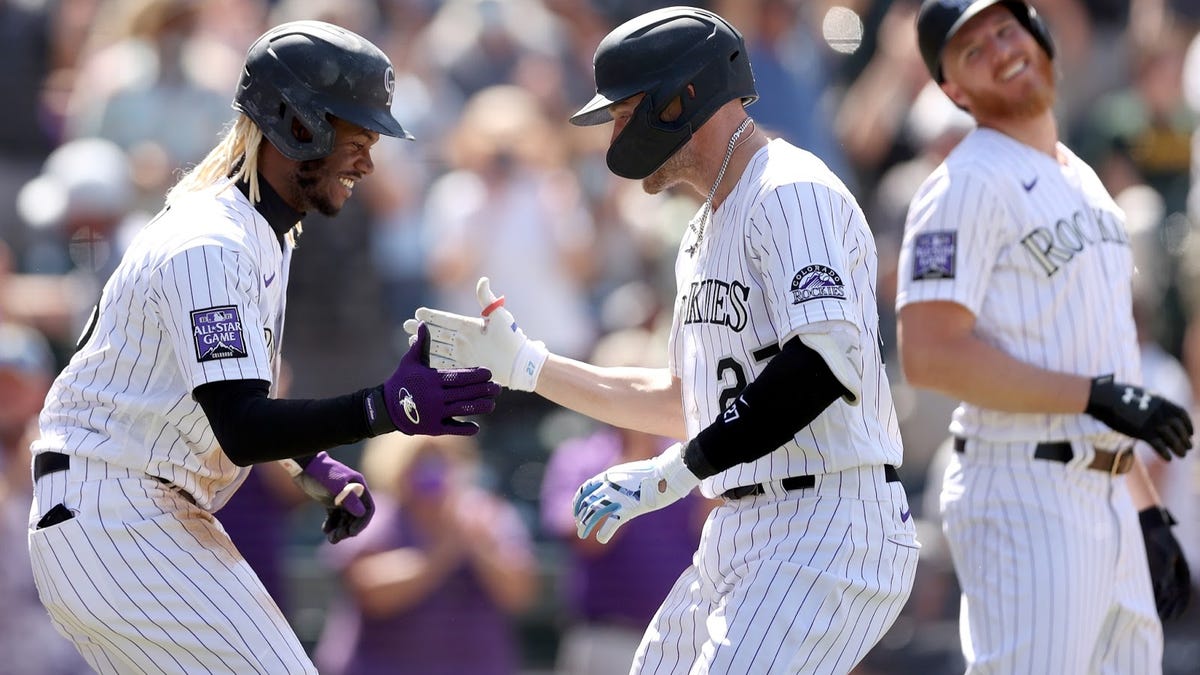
<point x="253" y="428"/>
<point x="509" y="581"/>
<point x="974" y="371"/>
<point x="1141" y="488"/>
<point x="392" y="581"/>
<point x="643" y="399"/>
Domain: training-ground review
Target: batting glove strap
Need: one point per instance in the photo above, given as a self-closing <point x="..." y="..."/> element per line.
<point x="527" y="366"/>
<point x="379" y="421"/>
<point x="629" y="490"/>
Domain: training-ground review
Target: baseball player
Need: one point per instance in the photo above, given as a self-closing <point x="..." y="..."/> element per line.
<point x="153" y="423"/>
<point x="774" y="373"/>
<point x="1014" y="296"/>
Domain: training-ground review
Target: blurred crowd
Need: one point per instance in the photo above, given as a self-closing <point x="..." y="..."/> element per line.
<point x="469" y="556"/>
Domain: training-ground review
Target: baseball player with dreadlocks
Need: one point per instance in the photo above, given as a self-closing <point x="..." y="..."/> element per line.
<point x="167" y="400"/>
<point x="774" y="373"/>
<point x="1015" y="297"/>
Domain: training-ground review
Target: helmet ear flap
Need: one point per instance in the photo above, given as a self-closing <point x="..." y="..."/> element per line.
<point x="314" y="143"/>
<point x="1038" y="28"/>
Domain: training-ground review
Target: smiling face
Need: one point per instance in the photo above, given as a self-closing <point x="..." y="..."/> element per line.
<point x="324" y="185"/>
<point x="996" y="70"/>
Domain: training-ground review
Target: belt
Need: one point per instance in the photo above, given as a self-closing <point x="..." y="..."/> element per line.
<point x="45" y="463"/>
<point x="797" y="483"/>
<point x="1109" y="461"/>
<point x="49" y="462"/>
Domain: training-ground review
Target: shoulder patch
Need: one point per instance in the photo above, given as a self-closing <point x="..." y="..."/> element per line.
<point x="933" y="256"/>
<point x="218" y="333"/>
<point x="816" y="282"/>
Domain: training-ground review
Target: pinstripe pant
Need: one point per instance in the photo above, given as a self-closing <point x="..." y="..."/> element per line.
<point x="805" y="581"/>
<point x="142" y="580"/>
<point x="1052" y="566"/>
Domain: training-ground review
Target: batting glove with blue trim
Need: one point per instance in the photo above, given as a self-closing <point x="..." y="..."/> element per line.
<point x="626" y="491"/>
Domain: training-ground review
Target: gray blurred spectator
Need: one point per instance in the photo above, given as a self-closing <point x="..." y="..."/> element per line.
<point x="26" y="51"/>
<point x="29" y="644"/>
<point x="80" y="210"/>
<point x="157" y="86"/>
<point x="794" y="69"/>
<point x="871" y="114"/>
<point x="81" y="214"/>
<point x="482" y="43"/>
<point x="509" y="209"/>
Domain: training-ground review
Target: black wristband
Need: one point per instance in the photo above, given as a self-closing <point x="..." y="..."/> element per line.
<point x="1154" y="517"/>
<point x="696" y="461"/>
<point x="304" y="461"/>
<point x="378" y="420"/>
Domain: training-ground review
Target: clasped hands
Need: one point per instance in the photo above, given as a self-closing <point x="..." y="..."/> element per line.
<point x="494" y="341"/>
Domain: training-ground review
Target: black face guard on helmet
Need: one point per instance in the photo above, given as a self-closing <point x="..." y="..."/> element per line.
<point x="661" y="53"/>
<point x="307" y="71"/>
<point x="939" y="20"/>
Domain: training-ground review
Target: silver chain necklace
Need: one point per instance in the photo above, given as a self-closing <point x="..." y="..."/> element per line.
<point x="700" y="220"/>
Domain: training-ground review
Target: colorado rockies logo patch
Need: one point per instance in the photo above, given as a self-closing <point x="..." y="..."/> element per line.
<point x="217" y="332"/>
<point x="817" y="282"/>
<point x="933" y="256"/>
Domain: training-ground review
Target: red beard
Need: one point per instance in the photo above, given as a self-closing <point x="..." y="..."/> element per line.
<point x="1036" y="97"/>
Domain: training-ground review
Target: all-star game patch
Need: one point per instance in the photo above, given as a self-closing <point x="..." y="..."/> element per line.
<point x="817" y="282"/>
<point x="933" y="256"/>
<point x="218" y="334"/>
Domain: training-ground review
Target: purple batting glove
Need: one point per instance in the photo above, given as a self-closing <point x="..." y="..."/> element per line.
<point x="343" y="493"/>
<point x="422" y="400"/>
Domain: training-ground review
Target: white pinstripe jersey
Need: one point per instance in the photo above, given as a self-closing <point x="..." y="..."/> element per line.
<point x="1038" y="251"/>
<point x="199" y="297"/>
<point x="789" y="250"/>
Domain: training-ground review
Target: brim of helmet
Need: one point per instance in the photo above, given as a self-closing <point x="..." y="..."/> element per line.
<point x="595" y="112"/>
<point x="378" y="120"/>
<point x="967" y="15"/>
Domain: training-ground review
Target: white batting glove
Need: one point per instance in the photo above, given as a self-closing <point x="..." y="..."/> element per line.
<point x="492" y="340"/>
<point x="628" y="490"/>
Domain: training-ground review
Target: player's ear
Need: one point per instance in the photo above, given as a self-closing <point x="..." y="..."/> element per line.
<point x="301" y="132"/>
<point x="956" y="94"/>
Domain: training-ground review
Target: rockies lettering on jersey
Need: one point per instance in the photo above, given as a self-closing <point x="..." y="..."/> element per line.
<point x="1056" y="246"/>
<point x="718" y="302"/>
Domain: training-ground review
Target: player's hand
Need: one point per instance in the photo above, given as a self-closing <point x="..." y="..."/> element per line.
<point x="1139" y="414"/>
<point x="1168" y="568"/>
<point x="492" y="340"/>
<point x="628" y="490"/>
<point x="342" y="491"/>
<point x="422" y="400"/>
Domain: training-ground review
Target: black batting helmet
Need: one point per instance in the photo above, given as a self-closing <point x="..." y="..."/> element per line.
<point x="661" y="53"/>
<point x="307" y="71"/>
<point x="939" y="20"/>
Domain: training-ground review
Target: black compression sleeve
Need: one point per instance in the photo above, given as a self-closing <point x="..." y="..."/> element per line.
<point x="795" y="387"/>
<point x="252" y="428"/>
